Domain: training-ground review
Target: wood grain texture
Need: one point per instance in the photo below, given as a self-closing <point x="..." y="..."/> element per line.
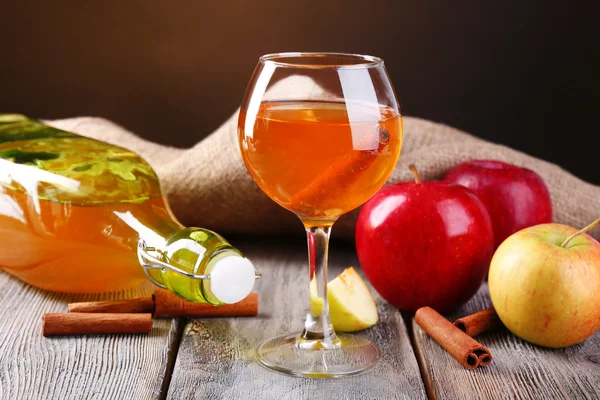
<point x="124" y="366"/>
<point x="216" y="356"/>
<point x="519" y="371"/>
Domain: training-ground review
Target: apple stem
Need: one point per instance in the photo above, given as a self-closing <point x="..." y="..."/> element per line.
<point x="413" y="169"/>
<point x="579" y="232"/>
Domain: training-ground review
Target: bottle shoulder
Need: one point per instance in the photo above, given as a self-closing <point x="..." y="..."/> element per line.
<point x="64" y="167"/>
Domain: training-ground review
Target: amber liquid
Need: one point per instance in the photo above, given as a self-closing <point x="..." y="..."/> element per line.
<point x="320" y="159"/>
<point x="77" y="248"/>
<point x="72" y="209"/>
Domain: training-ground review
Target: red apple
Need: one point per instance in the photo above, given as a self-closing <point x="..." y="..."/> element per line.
<point x="425" y="244"/>
<point x="515" y="197"/>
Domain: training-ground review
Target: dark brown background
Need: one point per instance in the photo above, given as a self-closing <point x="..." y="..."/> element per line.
<point x="514" y="72"/>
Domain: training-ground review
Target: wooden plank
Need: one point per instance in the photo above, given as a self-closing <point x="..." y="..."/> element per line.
<point x="519" y="370"/>
<point x="216" y="356"/>
<point x="91" y="367"/>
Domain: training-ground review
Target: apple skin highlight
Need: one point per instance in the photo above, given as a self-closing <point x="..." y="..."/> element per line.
<point x="546" y="294"/>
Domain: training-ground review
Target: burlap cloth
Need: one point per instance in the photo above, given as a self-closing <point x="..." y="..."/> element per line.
<point x="208" y="185"/>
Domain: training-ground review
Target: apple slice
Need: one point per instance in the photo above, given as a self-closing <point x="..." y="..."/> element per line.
<point x="316" y="301"/>
<point x="351" y="304"/>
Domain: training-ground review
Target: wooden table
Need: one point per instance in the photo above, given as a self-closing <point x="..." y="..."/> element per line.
<point x="214" y="358"/>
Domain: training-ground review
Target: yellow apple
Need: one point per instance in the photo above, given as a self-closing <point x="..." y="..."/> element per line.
<point x="351" y="305"/>
<point x="544" y="283"/>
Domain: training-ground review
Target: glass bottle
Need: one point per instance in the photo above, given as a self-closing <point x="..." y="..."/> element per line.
<point x="81" y="215"/>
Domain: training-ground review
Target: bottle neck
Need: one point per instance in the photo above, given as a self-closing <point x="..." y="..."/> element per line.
<point x="196" y="264"/>
<point x="189" y="269"/>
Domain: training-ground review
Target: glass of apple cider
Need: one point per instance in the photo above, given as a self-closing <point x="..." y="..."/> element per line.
<point x="320" y="133"/>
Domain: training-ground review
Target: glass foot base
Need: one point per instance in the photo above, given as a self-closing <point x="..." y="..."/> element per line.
<point x="355" y="354"/>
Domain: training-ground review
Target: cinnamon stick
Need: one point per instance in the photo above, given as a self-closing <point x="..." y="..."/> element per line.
<point x="343" y="173"/>
<point x="86" y="323"/>
<point x="462" y="347"/>
<point x="479" y="322"/>
<point x="164" y="304"/>
<point x="169" y="305"/>
<point x="141" y="305"/>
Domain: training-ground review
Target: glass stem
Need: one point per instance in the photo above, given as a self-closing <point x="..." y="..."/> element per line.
<point x="318" y="330"/>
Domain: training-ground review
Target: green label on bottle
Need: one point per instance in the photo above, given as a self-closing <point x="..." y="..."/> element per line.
<point x="60" y="166"/>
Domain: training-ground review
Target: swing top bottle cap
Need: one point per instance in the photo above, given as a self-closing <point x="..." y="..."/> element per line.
<point x="232" y="279"/>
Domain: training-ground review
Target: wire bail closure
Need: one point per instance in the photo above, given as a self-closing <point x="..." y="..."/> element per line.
<point x="150" y="262"/>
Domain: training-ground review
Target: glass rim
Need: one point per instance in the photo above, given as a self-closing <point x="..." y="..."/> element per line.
<point x="365" y="61"/>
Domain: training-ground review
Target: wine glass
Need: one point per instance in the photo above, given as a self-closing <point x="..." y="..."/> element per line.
<point x="320" y="133"/>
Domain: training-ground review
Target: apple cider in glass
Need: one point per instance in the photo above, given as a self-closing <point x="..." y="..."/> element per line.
<point x="321" y="159"/>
